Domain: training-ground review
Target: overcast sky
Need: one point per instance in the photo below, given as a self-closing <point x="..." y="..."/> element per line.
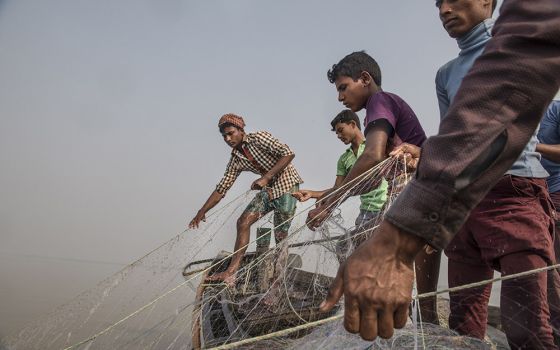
<point x="109" y="109"/>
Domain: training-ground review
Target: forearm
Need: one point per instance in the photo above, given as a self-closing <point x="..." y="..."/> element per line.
<point x="318" y="194"/>
<point x="489" y="123"/>
<point x="280" y="165"/>
<point x="549" y="152"/>
<point x="211" y="202"/>
<point x="353" y="182"/>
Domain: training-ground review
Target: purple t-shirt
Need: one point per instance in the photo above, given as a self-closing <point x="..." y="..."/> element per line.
<point x="388" y="106"/>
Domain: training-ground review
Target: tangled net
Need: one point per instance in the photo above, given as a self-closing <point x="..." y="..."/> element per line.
<point x="161" y="301"/>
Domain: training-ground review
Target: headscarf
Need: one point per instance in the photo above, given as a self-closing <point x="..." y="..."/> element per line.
<point x="232" y="119"/>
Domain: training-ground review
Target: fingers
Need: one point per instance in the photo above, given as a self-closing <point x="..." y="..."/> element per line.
<point x="196" y="221"/>
<point x="368" y="322"/>
<point x="335" y="291"/>
<point x="399" y="150"/>
<point x="301" y="196"/>
<point x="351" y="314"/>
<point x="385" y="322"/>
<point x="400" y="316"/>
<point x="193" y="224"/>
<point x="406" y="150"/>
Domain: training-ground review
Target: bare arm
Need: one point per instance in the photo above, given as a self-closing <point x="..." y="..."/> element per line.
<point x="374" y="153"/>
<point x="458" y="166"/>
<point x="304" y="195"/>
<point x="210" y="203"/>
<point x="339" y="180"/>
<point x="550" y="152"/>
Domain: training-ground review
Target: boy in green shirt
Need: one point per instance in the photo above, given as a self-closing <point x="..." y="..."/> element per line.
<point x="346" y="125"/>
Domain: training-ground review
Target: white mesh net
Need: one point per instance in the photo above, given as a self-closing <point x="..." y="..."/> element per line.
<point x="162" y="301"/>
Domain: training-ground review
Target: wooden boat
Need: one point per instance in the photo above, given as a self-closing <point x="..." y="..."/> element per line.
<point x="228" y="314"/>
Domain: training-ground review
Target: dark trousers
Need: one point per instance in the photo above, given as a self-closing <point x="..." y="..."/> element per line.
<point x="510" y="231"/>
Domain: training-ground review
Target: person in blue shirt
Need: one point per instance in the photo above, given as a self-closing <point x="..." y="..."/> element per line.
<point x="511" y="230"/>
<point x="549" y="148"/>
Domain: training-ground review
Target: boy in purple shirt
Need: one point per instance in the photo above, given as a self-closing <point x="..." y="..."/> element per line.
<point x="389" y="122"/>
<point x="389" y="108"/>
<point x="389" y="119"/>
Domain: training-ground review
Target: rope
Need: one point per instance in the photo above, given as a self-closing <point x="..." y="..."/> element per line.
<point x="421" y="296"/>
<point x="277" y="334"/>
<point x="93" y="337"/>
<point x="311" y="324"/>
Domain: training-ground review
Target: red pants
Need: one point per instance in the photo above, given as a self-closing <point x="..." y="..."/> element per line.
<point x="510" y="231"/>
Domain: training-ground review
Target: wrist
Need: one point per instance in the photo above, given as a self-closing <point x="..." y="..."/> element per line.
<point x="402" y="244"/>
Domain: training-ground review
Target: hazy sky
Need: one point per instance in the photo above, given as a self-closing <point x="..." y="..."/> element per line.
<point x="109" y="109"/>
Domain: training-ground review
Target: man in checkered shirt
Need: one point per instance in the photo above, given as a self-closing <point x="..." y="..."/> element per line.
<point x="264" y="155"/>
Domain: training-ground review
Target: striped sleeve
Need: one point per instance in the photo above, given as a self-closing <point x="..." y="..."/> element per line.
<point x="230" y="175"/>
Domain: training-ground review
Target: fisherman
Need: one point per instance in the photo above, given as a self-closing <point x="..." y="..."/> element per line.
<point x="389" y="119"/>
<point x="262" y="154"/>
<point x="549" y="148"/>
<point x="389" y="122"/>
<point x="347" y="127"/>
<point x="491" y="119"/>
<point x="511" y="230"/>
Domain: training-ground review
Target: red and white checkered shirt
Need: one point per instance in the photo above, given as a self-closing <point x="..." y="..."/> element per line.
<point x="266" y="151"/>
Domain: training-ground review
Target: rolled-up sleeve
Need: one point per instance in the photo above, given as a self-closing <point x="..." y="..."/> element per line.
<point x="272" y="144"/>
<point x="230" y="175"/>
<point x="491" y="119"/>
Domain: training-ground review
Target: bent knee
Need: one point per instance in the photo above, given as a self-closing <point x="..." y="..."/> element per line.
<point x="247" y="219"/>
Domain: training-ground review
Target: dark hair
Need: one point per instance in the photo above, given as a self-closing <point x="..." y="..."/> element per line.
<point x="353" y="65"/>
<point x="227" y="125"/>
<point x="494" y="4"/>
<point x="346" y="116"/>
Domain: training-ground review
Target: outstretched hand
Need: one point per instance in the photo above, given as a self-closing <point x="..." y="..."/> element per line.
<point x="376" y="281"/>
<point x="302" y="195"/>
<point x="195" y="222"/>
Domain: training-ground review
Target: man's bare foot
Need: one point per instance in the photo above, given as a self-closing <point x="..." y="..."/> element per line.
<point x="228" y="277"/>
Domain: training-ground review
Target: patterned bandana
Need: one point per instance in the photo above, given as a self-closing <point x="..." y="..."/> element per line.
<point x="233" y="119"/>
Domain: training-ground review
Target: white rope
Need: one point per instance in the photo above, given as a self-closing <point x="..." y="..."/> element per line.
<point x="421" y="296"/>
<point x="308" y="325"/>
<point x="209" y="267"/>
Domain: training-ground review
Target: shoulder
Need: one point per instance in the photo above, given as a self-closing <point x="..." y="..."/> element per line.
<point x="554" y="107"/>
<point x="381" y="100"/>
<point x="553" y="112"/>
<point x="344" y="155"/>
<point x="382" y="96"/>
<point x="394" y="101"/>
<point x="259" y="135"/>
<point x="443" y="71"/>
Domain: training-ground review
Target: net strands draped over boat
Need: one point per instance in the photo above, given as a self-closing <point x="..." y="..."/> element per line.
<point x="162" y="301"/>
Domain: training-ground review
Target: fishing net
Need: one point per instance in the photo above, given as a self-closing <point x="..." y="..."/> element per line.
<point x="162" y="301"/>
